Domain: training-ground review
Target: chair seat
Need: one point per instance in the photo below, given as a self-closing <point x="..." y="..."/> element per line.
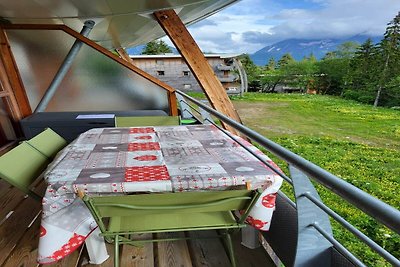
<point x="173" y="222"/>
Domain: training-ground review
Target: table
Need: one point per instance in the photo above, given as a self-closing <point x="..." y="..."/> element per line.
<point x="145" y="159"/>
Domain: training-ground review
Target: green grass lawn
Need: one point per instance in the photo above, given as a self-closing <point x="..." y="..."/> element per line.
<point x="356" y="142"/>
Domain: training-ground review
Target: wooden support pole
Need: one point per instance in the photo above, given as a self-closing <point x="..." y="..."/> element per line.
<point x="198" y="64"/>
<point x="171" y="94"/>
<point x="123" y="54"/>
<point x="12" y="82"/>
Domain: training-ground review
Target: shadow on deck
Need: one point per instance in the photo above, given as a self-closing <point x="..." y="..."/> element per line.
<point x="19" y="235"/>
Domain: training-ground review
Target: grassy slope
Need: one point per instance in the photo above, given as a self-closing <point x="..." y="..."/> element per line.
<point x="357" y="142"/>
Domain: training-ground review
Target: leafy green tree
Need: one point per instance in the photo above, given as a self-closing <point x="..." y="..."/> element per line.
<point x="330" y="75"/>
<point x="156" y="47"/>
<point x="285" y="59"/>
<point x="253" y="72"/>
<point x="389" y="50"/>
<point x="347" y="49"/>
<point x="330" y="55"/>
<point x="270" y="78"/>
<point x="299" y="74"/>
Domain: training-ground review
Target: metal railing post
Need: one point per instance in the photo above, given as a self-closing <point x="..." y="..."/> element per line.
<point x="65" y="66"/>
<point x="310" y="251"/>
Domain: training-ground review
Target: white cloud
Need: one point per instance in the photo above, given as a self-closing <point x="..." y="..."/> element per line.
<point x="253" y="24"/>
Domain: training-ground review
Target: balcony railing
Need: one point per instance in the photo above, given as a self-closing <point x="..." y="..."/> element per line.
<point x="300" y="232"/>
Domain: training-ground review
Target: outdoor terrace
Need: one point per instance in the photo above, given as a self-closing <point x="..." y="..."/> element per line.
<point x="19" y="236"/>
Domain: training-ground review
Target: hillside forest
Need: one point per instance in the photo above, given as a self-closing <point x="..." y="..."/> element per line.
<point x="368" y="72"/>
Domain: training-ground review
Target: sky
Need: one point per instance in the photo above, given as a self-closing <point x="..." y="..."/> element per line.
<point x="250" y="25"/>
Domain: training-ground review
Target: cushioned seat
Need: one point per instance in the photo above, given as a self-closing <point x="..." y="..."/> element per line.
<point x="48" y="143"/>
<point x="21" y="166"/>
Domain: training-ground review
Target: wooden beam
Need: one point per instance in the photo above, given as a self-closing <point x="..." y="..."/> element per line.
<point x="17" y="87"/>
<point x="170" y="90"/>
<point x="198" y="64"/>
<point x="171" y="94"/>
<point x="123" y="54"/>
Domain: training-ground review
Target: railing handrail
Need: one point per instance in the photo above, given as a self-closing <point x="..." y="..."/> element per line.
<point x="372" y="206"/>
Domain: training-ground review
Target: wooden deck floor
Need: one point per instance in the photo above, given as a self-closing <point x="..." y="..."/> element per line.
<point x="19" y="235"/>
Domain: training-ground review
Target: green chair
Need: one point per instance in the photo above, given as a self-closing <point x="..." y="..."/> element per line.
<point x="21" y="166"/>
<point x="119" y="217"/>
<point x="48" y="143"/>
<point x="146" y="121"/>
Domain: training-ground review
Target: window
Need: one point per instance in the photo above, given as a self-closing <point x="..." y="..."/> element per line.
<point x="186" y="73"/>
<point x="159" y="62"/>
<point x="160" y="73"/>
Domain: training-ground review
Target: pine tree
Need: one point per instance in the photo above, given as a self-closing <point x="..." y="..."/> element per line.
<point x="285" y="59"/>
<point x="363" y="72"/>
<point x="271" y="64"/>
<point x="389" y="49"/>
<point x="312" y="58"/>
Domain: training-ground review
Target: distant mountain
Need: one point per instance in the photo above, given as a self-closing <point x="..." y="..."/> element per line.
<point x="299" y="48"/>
<point x="137" y="50"/>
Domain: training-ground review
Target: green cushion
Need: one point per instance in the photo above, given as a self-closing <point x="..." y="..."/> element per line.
<point x="21" y="166"/>
<point x="48" y="143"/>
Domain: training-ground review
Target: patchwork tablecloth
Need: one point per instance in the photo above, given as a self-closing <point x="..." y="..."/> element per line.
<point x="145" y="159"/>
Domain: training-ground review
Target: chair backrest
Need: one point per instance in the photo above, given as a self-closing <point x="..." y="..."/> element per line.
<point x="48" y="143"/>
<point x="21" y="166"/>
<point x="146" y="121"/>
<point x="182" y="202"/>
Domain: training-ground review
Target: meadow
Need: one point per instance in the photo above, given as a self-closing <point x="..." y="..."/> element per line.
<point x="356" y="142"/>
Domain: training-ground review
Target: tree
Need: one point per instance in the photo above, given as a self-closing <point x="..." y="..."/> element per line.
<point x="253" y="72"/>
<point x="389" y="49"/>
<point x="271" y="64"/>
<point x="312" y="58"/>
<point x="156" y="48"/>
<point x="347" y="49"/>
<point x="270" y="78"/>
<point x="285" y="59"/>
<point x="330" y="55"/>
<point x="331" y="74"/>
<point x="362" y="73"/>
<point x="299" y="74"/>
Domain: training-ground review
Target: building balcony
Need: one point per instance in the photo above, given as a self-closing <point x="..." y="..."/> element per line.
<point x="224" y="67"/>
<point x="228" y="78"/>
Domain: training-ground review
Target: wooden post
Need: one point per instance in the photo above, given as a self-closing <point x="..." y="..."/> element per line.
<point x="171" y="93"/>
<point x="198" y="64"/>
<point x="14" y="86"/>
<point x="123" y="54"/>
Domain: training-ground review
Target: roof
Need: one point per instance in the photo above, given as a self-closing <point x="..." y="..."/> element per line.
<point x="119" y="23"/>
<point x="179" y="56"/>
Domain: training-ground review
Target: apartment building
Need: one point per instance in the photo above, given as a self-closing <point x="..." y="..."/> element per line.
<point x="173" y="70"/>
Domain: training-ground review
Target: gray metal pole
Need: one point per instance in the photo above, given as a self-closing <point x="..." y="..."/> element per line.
<point x="65" y="66"/>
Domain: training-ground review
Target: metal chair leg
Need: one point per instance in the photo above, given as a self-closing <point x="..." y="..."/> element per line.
<point x="229" y="247"/>
<point x="116" y="251"/>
